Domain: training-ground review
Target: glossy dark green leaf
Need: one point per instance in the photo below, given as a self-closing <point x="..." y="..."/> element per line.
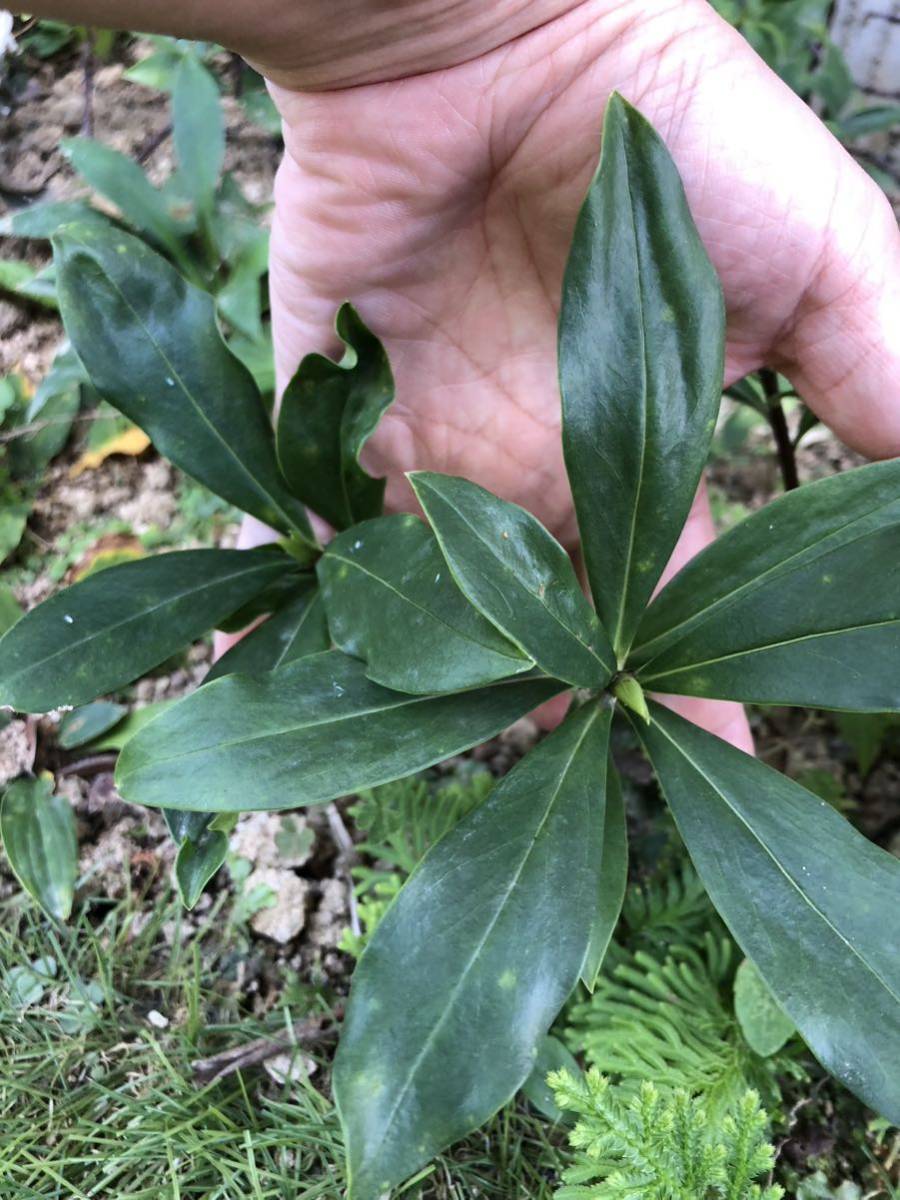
<point x="613" y="878"/>
<point x="641" y="339"/>
<point x="519" y="576"/>
<point x="102" y="633"/>
<point x="807" y="898"/>
<point x="328" y="412"/>
<point x="294" y="631"/>
<point x="197" y="862"/>
<point x="798" y="604"/>
<point x="307" y="733"/>
<point x="38" y="831"/>
<point x="392" y="601"/>
<point x="471" y="963"/>
<point x="151" y="346"/>
<point x="119" y="178"/>
<point x="198" y="131"/>
<point x="83" y="725"/>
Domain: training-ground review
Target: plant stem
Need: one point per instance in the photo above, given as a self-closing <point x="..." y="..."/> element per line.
<point x="787" y="460"/>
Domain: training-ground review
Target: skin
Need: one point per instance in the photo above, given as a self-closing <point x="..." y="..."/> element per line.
<point x="436" y="157"/>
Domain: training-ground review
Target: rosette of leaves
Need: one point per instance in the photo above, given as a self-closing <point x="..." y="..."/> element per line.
<point x="446" y="632"/>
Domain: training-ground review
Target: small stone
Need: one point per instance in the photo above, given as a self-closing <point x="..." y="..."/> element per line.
<point x="17" y="747"/>
<point x="286" y="917"/>
<point x="157" y="1020"/>
<point x="273" y="839"/>
<point x="290" y="1068"/>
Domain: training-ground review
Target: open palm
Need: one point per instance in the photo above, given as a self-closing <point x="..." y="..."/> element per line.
<point x="443" y="203"/>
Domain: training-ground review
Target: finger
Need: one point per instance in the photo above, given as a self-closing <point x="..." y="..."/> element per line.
<point x="842" y="351"/>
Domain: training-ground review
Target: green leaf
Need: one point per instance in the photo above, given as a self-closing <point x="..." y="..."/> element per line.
<point x="102" y="633"/>
<point x="519" y="576"/>
<point x="294" y="631"/>
<point x="129" y="726"/>
<point x="52" y="413"/>
<point x="552" y="1055"/>
<point x="763" y="1024"/>
<point x="21" y="279"/>
<point x="43" y="220"/>
<point x="641" y="338"/>
<point x="865" y="734"/>
<point x="198" y="131"/>
<point x="132" y="317"/>
<point x="305" y="734"/>
<point x="392" y="601"/>
<point x="10" y="609"/>
<point x="197" y="862"/>
<point x="473" y="960"/>
<point x="879" y="118"/>
<point x="83" y="725"/>
<point x="807" y="898"/>
<point x="328" y="413"/>
<point x="797" y="604"/>
<point x="38" y="831"/>
<point x="613" y="878"/>
<point x="121" y="180"/>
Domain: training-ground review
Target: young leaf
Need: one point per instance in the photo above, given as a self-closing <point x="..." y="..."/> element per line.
<point x="43" y="220"/>
<point x="121" y="180"/>
<point x="552" y="1055"/>
<point x="198" y="130"/>
<point x="197" y="862"/>
<point x="473" y="960"/>
<point x="641" y="333"/>
<point x="307" y="733"/>
<point x="519" y="576"/>
<point x="38" y="831"/>
<point x="613" y="878"/>
<point x="328" y="412"/>
<point x="52" y="410"/>
<point x="83" y="725"/>
<point x="392" y="601"/>
<point x="294" y="631"/>
<point x="804" y="894"/>
<point x="151" y="346"/>
<point x="102" y="633"/>
<point x="798" y="604"/>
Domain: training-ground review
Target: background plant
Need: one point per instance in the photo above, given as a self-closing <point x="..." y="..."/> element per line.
<point x="444" y="637"/>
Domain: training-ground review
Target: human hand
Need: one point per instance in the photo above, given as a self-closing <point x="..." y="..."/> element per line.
<point x="443" y="203"/>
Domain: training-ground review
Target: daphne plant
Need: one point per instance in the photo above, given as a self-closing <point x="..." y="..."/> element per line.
<point x="443" y="633"/>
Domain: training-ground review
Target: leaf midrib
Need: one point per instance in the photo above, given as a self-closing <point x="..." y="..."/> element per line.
<point x="259" y="487"/>
<point x="513" y="658"/>
<point x="142" y="615"/>
<point x="784" y="871"/>
<point x="751" y="585"/>
<point x="439" y="1024"/>
<point x="766" y="646"/>
<point x="509" y="571"/>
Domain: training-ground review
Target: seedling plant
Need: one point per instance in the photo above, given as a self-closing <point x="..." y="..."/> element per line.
<point x="402" y="643"/>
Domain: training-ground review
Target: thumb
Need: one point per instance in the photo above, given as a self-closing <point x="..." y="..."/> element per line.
<point x="842" y="349"/>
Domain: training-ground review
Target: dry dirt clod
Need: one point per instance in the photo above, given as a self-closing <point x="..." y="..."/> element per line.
<point x="286" y="917"/>
<point x="273" y="840"/>
<point x="17" y="747"/>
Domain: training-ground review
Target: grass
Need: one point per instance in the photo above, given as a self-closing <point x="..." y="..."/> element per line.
<point x="97" y="1102"/>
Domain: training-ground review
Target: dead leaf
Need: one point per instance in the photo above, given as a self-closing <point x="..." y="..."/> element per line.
<point x="132" y="442"/>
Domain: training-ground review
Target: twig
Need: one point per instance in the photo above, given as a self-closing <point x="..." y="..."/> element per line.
<point x="152" y="144"/>
<point x="345" y="858"/>
<point x="88" y="62"/>
<point x="786" y="459"/>
<point x="312" y="1029"/>
<point x="94" y="764"/>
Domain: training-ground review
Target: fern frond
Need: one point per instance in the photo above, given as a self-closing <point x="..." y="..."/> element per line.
<point x="657" y="1145"/>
